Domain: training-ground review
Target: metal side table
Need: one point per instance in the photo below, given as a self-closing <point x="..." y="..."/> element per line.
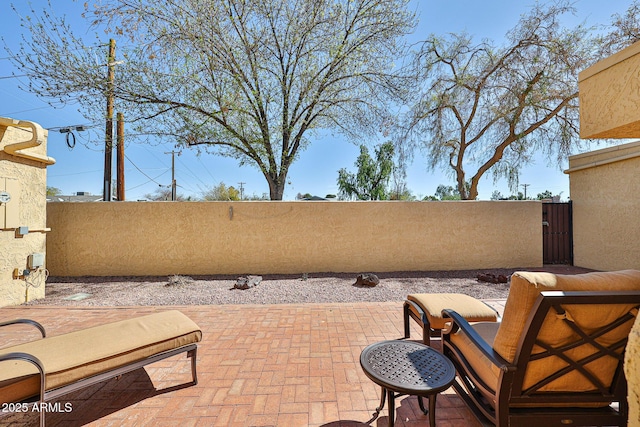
<point x="407" y="368"/>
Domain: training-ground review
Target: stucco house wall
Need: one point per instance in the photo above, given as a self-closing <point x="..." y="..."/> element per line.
<point x="605" y="189"/>
<point x="23" y="163"/>
<point x="605" y="184"/>
<point x="610" y="96"/>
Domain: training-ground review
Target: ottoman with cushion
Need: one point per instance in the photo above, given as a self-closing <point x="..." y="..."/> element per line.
<point x="426" y="310"/>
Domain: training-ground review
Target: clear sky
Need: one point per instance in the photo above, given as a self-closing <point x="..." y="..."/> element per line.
<point x="316" y="170"/>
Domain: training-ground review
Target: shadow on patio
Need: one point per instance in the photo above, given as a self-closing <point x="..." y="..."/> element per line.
<point x="271" y="365"/>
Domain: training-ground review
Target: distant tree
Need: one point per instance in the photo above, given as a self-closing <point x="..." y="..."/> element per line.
<point x="250" y="80"/>
<point x="301" y="196"/>
<point x="221" y="192"/>
<point x="330" y="196"/>
<point x="53" y="191"/>
<point x="483" y="107"/>
<point x="496" y="195"/>
<point x="519" y="196"/>
<point x="402" y="193"/>
<point x="549" y="195"/>
<point x="163" y="193"/>
<point x="399" y="189"/>
<point x="255" y="197"/>
<point x="445" y="192"/>
<point x="371" y="180"/>
<point x="545" y="195"/>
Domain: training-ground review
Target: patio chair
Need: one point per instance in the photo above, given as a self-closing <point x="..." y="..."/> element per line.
<point x="44" y="369"/>
<point x="556" y="358"/>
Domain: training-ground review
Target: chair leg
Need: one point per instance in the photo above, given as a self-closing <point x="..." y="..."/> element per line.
<point x="426" y="334"/>
<point x="407" y="327"/>
<point x="193" y="355"/>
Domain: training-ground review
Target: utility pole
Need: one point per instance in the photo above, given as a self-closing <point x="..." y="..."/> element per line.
<point x="241" y="190"/>
<point x="525" y="190"/>
<point x="173" y="173"/>
<point x="120" y="157"/>
<point x="108" y="137"/>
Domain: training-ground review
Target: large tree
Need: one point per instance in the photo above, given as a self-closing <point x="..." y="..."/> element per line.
<point x="483" y="107"/>
<point x="250" y="79"/>
<point x="371" y="181"/>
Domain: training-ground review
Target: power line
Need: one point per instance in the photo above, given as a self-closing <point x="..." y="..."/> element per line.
<point x="206" y="169"/>
<point x="140" y="170"/>
<point x="191" y="172"/>
<point x="13" y="77"/>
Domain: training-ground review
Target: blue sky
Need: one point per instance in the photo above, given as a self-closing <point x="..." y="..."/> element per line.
<point x="316" y="170"/>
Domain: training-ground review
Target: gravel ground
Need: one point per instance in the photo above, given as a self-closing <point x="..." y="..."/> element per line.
<point x="273" y="289"/>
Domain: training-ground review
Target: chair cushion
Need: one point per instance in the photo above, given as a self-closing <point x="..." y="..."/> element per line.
<point x="480" y="364"/>
<point x="70" y="357"/>
<point x="525" y="288"/>
<point x="471" y="309"/>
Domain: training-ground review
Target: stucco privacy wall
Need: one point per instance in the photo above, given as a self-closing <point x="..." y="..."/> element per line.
<point x="610" y="96"/>
<point x="604" y="186"/>
<point x="165" y="238"/>
<point x="23" y="164"/>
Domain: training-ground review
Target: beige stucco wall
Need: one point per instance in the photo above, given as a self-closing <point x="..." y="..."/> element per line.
<point x="25" y="181"/>
<point x="610" y="96"/>
<point x="164" y="238"/>
<point x="605" y="189"/>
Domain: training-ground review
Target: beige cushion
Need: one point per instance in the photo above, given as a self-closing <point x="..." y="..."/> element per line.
<point x="70" y="357"/>
<point x="525" y="287"/>
<point x="471" y="309"/>
<point x="480" y="364"/>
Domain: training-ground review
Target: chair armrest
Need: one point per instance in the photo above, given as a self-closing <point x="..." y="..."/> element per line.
<point x="27" y="322"/>
<point x="460" y="323"/>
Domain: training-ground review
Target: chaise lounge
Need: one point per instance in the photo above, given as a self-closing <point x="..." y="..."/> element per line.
<point x="557" y="356"/>
<point x="44" y="369"/>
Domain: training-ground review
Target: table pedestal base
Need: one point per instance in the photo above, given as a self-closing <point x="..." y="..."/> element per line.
<point x="391" y="396"/>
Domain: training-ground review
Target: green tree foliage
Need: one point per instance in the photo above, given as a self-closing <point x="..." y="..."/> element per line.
<point x="401" y="192"/>
<point x="371" y="181"/>
<point x="245" y="79"/>
<point x="483" y="107"/>
<point x="445" y="192"/>
<point x="53" y="191"/>
<point x="547" y="194"/>
<point x="221" y="192"/>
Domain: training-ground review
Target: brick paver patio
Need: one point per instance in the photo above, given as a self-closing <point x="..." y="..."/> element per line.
<point x="272" y="365"/>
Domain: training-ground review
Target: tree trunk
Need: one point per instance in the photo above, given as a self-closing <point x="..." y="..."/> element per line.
<point x="276" y="191"/>
<point x="276" y="188"/>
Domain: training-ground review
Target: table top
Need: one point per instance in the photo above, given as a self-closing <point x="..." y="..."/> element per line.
<point x="407" y="367"/>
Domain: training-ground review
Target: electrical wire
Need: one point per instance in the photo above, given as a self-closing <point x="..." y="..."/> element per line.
<point x="140" y="170"/>
<point x="192" y="173"/>
<point x="71" y="144"/>
<point x="150" y="180"/>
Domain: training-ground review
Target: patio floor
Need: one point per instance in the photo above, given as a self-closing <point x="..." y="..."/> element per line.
<point x="258" y="365"/>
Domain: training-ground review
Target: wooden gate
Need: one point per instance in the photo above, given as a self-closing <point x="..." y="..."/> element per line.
<point x="557" y="233"/>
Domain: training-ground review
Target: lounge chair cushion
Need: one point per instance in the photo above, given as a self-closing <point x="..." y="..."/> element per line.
<point x="526" y="286"/>
<point x="482" y="366"/>
<point x="71" y="357"/>
<point x="471" y="309"/>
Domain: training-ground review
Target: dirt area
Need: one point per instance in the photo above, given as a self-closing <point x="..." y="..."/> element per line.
<point x="273" y="289"/>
